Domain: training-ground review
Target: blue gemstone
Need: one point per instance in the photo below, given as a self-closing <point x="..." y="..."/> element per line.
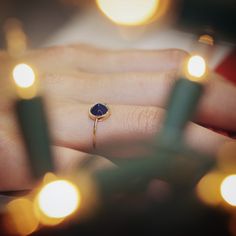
<point x="99" y="110"/>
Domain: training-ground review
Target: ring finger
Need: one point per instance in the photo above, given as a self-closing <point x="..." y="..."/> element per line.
<point x="122" y="133"/>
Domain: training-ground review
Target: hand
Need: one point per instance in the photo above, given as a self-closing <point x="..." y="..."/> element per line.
<point x="135" y="85"/>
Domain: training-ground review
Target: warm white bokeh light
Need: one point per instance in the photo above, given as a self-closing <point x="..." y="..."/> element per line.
<point x="228" y="189"/>
<point x="23" y="75"/>
<point x="196" y="66"/>
<point x="22" y="220"/>
<point x="59" y="199"/>
<point x="208" y="188"/>
<point x="129" y="12"/>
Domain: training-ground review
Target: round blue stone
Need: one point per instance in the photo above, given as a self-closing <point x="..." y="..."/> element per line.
<point x="99" y="110"/>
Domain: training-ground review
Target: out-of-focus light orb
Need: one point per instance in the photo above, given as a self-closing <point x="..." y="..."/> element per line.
<point x="22" y="220"/>
<point x="59" y="199"/>
<point x="16" y="40"/>
<point x="196" y="66"/>
<point x="129" y="12"/>
<point x="208" y="188"/>
<point x="228" y="190"/>
<point x="23" y="75"/>
<point x="206" y="39"/>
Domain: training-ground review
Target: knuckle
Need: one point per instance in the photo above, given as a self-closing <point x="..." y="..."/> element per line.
<point x="144" y="120"/>
<point x="58" y="51"/>
<point x="66" y="51"/>
<point x="52" y="78"/>
<point x="178" y="54"/>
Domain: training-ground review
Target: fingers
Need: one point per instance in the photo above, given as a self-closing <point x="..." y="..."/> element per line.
<point x="213" y="109"/>
<point x="147" y="89"/>
<point x="217" y="107"/>
<point x="89" y="59"/>
<point x="86" y="58"/>
<point x="127" y="125"/>
<point x="124" y="134"/>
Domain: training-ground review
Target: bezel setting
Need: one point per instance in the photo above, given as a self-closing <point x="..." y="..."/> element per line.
<point x="99" y="111"/>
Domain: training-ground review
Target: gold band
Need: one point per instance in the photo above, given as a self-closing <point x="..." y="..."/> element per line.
<point x="95" y="125"/>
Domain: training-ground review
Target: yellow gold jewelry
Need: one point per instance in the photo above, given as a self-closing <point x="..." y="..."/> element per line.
<point x="98" y="112"/>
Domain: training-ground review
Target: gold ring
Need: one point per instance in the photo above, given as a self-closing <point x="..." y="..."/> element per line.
<point x="98" y="112"/>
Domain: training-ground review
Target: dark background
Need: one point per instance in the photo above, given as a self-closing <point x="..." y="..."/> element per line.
<point x="40" y="18"/>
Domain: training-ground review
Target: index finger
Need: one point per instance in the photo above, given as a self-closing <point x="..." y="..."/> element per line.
<point x="90" y="59"/>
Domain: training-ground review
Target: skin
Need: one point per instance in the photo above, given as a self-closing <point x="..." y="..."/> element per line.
<point x="135" y="84"/>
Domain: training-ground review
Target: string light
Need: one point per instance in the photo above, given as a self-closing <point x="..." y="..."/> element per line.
<point x="25" y="81"/>
<point x="58" y="199"/>
<point x="129" y="12"/>
<point x="23" y="75"/>
<point x="206" y="39"/>
<point x="228" y="190"/>
<point x="196" y="68"/>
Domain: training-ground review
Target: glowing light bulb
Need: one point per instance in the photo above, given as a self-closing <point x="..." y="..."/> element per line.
<point x="23" y="75"/>
<point x="228" y="190"/>
<point x="206" y="39"/>
<point x="25" y="80"/>
<point x="129" y="12"/>
<point x="59" y="199"/>
<point x="196" y="68"/>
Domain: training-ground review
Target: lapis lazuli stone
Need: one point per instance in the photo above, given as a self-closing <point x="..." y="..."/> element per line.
<point x="99" y="110"/>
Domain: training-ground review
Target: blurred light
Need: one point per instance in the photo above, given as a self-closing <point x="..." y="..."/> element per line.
<point x="23" y="75"/>
<point x="228" y="189"/>
<point x="25" y="80"/>
<point x="196" y="67"/>
<point x="21" y="219"/>
<point x="206" y="39"/>
<point x="129" y="12"/>
<point x="208" y="188"/>
<point x="58" y="199"/>
<point x="49" y="177"/>
<point x="16" y="40"/>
